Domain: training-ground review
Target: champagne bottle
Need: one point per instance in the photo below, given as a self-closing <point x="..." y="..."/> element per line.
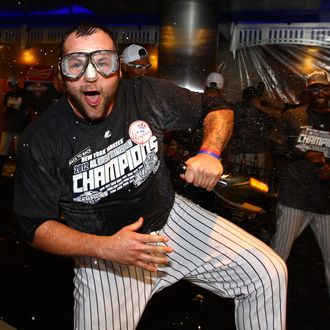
<point x="242" y="191"/>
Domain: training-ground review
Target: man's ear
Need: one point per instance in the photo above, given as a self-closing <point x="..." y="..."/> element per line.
<point x="59" y="72"/>
<point x="61" y="78"/>
<point x="123" y="66"/>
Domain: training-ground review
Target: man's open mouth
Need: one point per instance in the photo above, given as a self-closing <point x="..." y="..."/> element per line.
<point x="92" y="98"/>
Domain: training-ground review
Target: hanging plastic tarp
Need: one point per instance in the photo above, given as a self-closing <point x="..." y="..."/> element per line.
<point x="283" y="69"/>
<point x="279" y="55"/>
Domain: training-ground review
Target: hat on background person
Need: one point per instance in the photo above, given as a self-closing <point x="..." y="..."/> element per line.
<point x="249" y="93"/>
<point x="133" y="53"/>
<point x="12" y="80"/>
<point x="317" y="77"/>
<point x="214" y="80"/>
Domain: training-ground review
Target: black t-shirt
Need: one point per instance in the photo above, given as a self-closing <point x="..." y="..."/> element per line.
<point x="299" y="130"/>
<point x="104" y="176"/>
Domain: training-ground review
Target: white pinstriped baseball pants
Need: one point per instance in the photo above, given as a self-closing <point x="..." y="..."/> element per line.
<point x="291" y="223"/>
<point x="208" y="251"/>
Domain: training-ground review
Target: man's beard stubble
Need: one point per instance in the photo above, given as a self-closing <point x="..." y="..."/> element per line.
<point x="80" y="107"/>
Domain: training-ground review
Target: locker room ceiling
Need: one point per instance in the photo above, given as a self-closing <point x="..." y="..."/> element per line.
<point x="147" y="11"/>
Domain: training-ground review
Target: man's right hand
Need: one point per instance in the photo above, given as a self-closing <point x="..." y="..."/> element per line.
<point x="127" y="246"/>
<point x="315" y="157"/>
<point x="131" y="248"/>
<point x="320" y="162"/>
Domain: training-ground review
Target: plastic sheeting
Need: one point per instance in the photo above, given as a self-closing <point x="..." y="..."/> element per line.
<point x="282" y="67"/>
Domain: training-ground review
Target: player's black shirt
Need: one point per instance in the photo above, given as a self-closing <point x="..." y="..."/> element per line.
<point x="299" y="130"/>
<point x="103" y="176"/>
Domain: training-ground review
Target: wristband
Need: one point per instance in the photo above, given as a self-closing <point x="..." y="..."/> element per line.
<point x="210" y="152"/>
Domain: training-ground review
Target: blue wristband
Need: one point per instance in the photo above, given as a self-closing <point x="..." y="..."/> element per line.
<point x="213" y="154"/>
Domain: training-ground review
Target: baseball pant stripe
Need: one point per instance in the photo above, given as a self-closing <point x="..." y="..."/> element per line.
<point x="321" y="229"/>
<point x="208" y="251"/>
<point x="291" y="223"/>
<point x="199" y="239"/>
<point x="230" y="277"/>
<point x="191" y="230"/>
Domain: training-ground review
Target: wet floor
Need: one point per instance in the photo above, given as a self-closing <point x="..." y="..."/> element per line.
<point x="36" y="288"/>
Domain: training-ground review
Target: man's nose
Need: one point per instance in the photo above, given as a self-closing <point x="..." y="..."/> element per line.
<point x="91" y="73"/>
<point x="143" y="71"/>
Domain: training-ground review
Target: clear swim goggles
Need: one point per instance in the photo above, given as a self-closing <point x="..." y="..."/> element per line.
<point x="74" y="65"/>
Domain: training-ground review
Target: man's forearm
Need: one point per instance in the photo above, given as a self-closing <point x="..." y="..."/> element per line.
<point x="127" y="246"/>
<point x="217" y="129"/>
<point x="57" y="238"/>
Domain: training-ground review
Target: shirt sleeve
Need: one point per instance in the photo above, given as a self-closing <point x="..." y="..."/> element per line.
<point x="29" y="226"/>
<point x="181" y="107"/>
<point x="37" y="188"/>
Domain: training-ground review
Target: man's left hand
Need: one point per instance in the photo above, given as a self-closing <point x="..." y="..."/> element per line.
<point x="203" y="171"/>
